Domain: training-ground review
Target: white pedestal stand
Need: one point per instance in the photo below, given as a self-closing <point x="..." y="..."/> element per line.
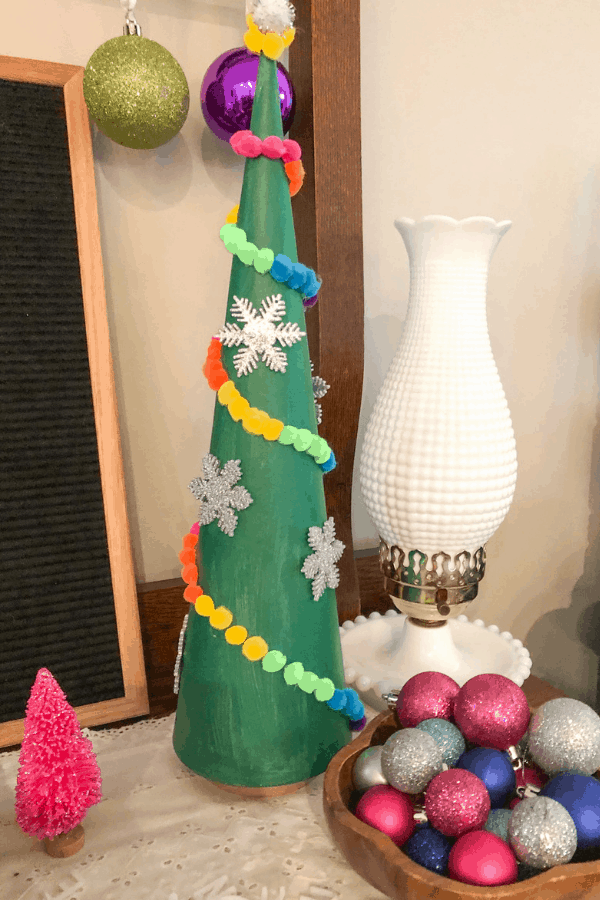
<point x="382" y="652"/>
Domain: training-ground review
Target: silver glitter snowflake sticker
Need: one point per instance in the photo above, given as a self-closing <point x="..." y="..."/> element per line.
<point x="320" y="388"/>
<point x="219" y="494"/>
<point x="320" y="566"/>
<point x="260" y="334"/>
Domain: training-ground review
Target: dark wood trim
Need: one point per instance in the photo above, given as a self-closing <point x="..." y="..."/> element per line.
<point x="325" y="70"/>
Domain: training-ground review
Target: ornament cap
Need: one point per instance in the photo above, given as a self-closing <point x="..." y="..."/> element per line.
<point x="131" y="27"/>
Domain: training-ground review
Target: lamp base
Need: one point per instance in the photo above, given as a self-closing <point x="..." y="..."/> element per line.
<point x="382" y="652"/>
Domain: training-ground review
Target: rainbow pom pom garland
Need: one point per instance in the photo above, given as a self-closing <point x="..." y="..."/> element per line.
<point x="257" y="421"/>
<point x="255" y="648"/>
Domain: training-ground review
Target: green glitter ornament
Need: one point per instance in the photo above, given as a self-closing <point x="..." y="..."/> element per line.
<point x="136" y="92"/>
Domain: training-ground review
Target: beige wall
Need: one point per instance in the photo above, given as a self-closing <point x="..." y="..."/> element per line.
<point x="470" y="107"/>
<point x="492" y="107"/>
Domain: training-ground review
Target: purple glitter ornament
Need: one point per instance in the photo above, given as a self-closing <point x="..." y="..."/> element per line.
<point x="227" y="93"/>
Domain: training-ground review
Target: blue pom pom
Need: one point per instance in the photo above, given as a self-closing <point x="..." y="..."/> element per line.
<point x="354" y="708"/>
<point x="298" y="276"/>
<point x="338" y="701"/>
<point x="312" y="284"/>
<point x="329" y="464"/>
<point x="282" y="268"/>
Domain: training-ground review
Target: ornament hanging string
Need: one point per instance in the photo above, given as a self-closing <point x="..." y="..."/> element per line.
<point x="131" y="26"/>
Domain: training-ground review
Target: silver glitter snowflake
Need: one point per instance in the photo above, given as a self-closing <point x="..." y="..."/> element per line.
<point x="219" y="494"/>
<point x="320" y="388"/>
<point x="320" y="566"/>
<point x="260" y="334"/>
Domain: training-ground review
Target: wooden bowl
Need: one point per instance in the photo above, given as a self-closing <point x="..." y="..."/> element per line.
<point x="380" y="862"/>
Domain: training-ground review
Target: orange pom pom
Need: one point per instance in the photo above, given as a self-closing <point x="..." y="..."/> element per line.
<point x="192" y="592"/>
<point x="190" y="540"/>
<point x="214" y="349"/>
<point x="187" y="555"/>
<point x="189" y="574"/>
<point x="295" y="172"/>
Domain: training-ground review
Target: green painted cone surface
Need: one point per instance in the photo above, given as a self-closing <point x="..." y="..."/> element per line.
<point x="237" y="723"/>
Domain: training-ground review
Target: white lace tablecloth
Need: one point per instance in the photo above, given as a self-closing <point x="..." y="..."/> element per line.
<point x="163" y="833"/>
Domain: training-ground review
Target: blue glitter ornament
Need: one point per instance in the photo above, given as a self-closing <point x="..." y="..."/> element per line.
<point x="429" y="848"/>
<point x="495" y="770"/>
<point x="580" y="796"/>
<point x="447" y="736"/>
<point x="497" y="823"/>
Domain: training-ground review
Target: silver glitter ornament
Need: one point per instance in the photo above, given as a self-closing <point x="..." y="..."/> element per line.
<point x="497" y="823"/>
<point x="564" y="734"/>
<point x="136" y="92"/>
<point x="410" y="759"/>
<point x="367" y="769"/>
<point x="542" y="833"/>
<point x="447" y="736"/>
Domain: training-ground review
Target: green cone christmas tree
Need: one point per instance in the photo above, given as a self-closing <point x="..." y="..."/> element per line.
<point x="261" y="700"/>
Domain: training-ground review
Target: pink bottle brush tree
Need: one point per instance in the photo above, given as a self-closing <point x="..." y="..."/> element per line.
<point x="58" y="778"/>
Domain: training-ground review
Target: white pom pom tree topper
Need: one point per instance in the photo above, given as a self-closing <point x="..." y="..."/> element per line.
<point x="271" y="15"/>
<point x="438" y="464"/>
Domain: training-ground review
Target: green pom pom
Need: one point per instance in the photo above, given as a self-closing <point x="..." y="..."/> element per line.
<point x="308" y="682"/>
<point x="263" y="260"/>
<point x="246" y="253"/>
<point x="303" y="439"/>
<point x="293" y="673"/>
<point x="274" y="661"/>
<point x="325" y="690"/>
<point x="288" y="435"/>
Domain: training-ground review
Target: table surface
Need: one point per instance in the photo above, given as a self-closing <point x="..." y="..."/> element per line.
<point x="162" y="832"/>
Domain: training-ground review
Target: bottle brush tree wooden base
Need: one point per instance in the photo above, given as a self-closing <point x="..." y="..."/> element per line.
<point x="66" y="844"/>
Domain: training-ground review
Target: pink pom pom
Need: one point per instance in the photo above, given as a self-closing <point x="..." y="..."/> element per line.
<point x="291" y="151"/>
<point x="195" y="529"/>
<point x="272" y="147"/>
<point x="246" y="144"/>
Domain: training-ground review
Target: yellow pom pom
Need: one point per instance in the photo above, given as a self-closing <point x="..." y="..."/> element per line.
<point x="227" y="392"/>
<point x="273" y="45"/>
<point x="253" y="40"/>
<point x="272" y="429"/>
<point x="254" y="420"/>
<point x="237" y="408"/>
<point x="255" y="648"/>
<point x="232" y="216"/>
<point x="237" y="634"/>
<point x="288" y="36"/>
<point x="204" y="605"/>
<point x="221" y="618"/>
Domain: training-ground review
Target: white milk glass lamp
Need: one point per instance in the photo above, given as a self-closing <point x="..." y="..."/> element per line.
<point x="438" y="470"/>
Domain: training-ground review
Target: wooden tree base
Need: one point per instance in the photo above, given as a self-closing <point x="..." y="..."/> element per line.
<point x="256" y="792"/>
<point x="66" y="844"/>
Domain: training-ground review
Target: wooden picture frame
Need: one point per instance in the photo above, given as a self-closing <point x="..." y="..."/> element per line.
<point x="134" y="702"/>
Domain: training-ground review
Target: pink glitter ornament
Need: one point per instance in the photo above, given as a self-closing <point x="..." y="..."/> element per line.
<point x="58" y="775"/>
<point x="457" y="801"/>
<point x="428" y="695"/>
<point x="531" y="775"/>
<point x="491" y="711"/>
<point x="387" y="810"/>
<point x="482" y="858"/>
